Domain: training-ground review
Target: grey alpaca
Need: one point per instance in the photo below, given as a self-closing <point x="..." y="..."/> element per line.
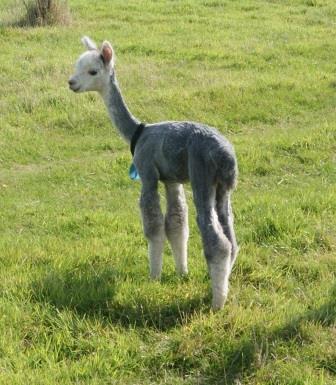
<point x="173" y="153"/>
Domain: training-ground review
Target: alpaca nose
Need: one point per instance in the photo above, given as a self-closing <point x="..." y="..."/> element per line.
<point x="71" y="82"/>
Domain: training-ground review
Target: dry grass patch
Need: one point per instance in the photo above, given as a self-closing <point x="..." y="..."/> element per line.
<point x="45" y="12"/>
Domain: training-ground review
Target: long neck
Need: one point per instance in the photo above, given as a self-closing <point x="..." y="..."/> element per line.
<point x="120" y="115"/>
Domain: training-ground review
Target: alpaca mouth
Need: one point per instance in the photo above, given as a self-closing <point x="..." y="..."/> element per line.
<point x="74" y="89"/>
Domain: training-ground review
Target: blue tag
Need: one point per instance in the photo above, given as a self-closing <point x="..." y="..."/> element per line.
<point x="133" y="172"/>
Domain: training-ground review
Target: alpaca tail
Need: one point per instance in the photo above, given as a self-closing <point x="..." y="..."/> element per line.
<point x="227" y="171"/>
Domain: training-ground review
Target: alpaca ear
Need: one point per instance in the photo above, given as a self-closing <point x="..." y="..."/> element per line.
<point x="88" y="43"/>
<point x="107" y="53"/>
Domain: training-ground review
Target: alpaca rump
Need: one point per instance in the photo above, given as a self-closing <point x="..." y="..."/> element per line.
<point x="172" y="153"/>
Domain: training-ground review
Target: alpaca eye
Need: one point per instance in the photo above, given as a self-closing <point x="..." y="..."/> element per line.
<point x="93" y="72"/>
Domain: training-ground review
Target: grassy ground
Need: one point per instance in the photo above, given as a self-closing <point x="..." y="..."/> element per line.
<point x="76" y="304"/>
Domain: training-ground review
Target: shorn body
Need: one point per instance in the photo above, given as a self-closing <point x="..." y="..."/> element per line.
<point x="173" y="153"/>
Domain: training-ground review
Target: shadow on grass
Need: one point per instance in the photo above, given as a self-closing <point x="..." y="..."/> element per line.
<point x="91" y="291"/>
<point x="252" y="353"/>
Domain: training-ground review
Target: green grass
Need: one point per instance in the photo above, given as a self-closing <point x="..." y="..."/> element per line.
<point x="76" y="304"/>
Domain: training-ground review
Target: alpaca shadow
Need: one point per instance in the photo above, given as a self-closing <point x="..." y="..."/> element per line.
<point x="251" y="354"/>
<point x="92" y="292"/>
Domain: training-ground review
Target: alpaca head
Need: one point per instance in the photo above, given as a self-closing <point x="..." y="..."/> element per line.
<point x="93" y="68"/>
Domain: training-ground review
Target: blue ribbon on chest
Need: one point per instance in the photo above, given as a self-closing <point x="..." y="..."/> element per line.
<point x="133" y="172"/>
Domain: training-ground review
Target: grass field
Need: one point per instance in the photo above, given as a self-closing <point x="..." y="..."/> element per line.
<point x="76" y="304"/>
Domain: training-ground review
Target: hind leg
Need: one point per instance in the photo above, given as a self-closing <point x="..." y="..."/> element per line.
<point x="217" y="247"/>
<point x="176" y="225"/>
<point x="225" y="216"/>
<point x="217" y="250"/>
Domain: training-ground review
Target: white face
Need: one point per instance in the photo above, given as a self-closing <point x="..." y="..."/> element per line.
<point x="93" y="68"/>
<point x="91" y="73"/>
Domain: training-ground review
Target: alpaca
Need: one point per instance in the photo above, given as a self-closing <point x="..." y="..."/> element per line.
<point x="173" y="153"/>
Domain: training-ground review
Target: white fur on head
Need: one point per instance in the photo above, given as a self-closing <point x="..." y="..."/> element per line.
<point x="93" y="68"/>
<point x="88" y="43"/>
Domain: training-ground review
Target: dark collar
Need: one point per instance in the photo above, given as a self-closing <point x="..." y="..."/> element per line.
<point x="136" y="136"/>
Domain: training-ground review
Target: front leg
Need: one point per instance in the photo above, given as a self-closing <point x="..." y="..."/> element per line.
<point x="153" y="225"/>
<point x="176" y="224"/>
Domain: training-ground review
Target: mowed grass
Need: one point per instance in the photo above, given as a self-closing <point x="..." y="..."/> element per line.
<point x="76" y="304"/>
